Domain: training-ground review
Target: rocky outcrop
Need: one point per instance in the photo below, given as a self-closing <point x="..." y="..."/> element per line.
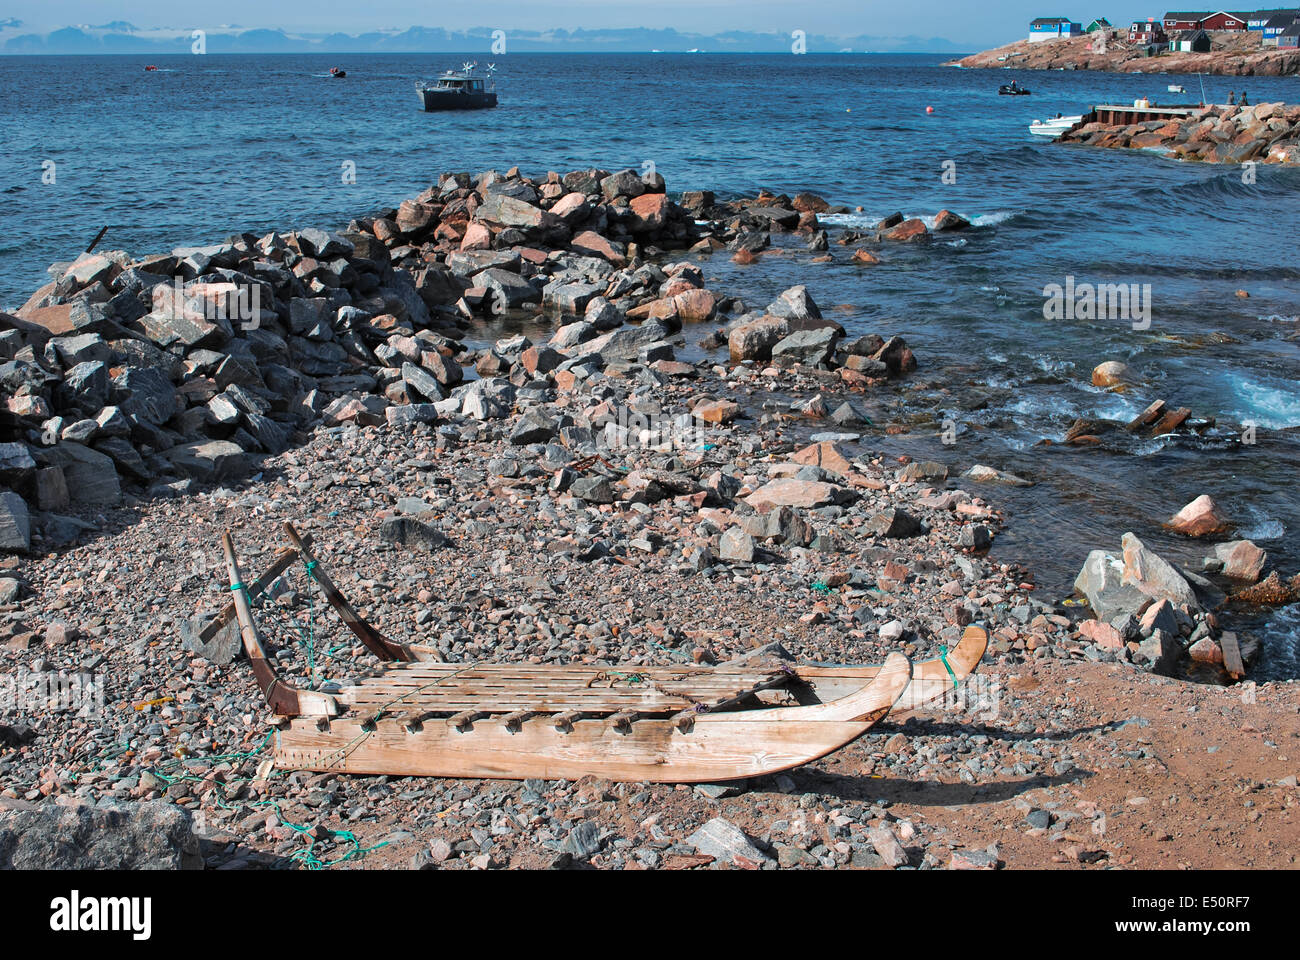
<point x="1233" y="53"/>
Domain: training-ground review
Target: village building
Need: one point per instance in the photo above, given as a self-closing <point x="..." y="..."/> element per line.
<point x="1190" y="41"/>
<point x="1054" y="28"/>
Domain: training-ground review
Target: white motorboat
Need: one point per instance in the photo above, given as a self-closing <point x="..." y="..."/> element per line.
<point x="1177" y="88"/>
<point x="1053" y="128"/>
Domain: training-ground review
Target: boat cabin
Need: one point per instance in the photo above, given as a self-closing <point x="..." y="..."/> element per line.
<point x="459" y="83"/>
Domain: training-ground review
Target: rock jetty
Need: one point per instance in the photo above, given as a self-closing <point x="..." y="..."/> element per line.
<point x="1264" y="133"/>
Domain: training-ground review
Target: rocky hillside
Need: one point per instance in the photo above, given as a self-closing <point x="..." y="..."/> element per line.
<point x="1233" y="54"/>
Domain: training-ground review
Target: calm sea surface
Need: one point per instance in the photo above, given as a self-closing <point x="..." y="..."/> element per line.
<point x="208" y="146"/>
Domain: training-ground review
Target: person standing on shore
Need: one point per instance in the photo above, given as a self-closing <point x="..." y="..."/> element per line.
<point x="1242" y="102"/>
<point x="1232" y="97"/>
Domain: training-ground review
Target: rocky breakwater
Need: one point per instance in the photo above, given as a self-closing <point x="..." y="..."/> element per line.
<point x="1265" y="133"/>
<point x="147" y="375"/>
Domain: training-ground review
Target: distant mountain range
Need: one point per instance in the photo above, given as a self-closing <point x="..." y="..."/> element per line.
<point x="122" y="37"/>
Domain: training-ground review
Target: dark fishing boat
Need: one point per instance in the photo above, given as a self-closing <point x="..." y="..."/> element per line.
<point x="338" y="72"/>
<point x="1012" y="90"/>
<point x="459" y="90"/>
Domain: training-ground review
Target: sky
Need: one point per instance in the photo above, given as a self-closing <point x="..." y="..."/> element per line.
<point x="962" y="21"/>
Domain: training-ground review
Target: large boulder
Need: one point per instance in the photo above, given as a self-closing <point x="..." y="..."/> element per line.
<point x="1102" y="581"/>
<point x="151" y="835"/>
<point x="1155" y="576"/>
<point x="754" y="339"/>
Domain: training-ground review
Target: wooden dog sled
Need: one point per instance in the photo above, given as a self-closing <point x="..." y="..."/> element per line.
<point x="688" y="724"/>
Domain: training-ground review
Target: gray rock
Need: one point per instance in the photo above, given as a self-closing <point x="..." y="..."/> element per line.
<point x="593" y="490"/>
<point x="806" y="346"/>
<point x="893" y="523"/>
<point x="1102" y="581"/>
<point x="887" y="845"/>
<point x="722" y="839"/>
<point x="149" y="835"/>
<point x="737" y="546"/>
<point x="207" y="460"/>
<point x="411" y="533"/>
<point x="506" y="290"/>
<point x="145" y="394"/>
<point x="533" y="427"/>
<point x="15" y="523"/>
<point x="583" y="840"/>
<point x="221" y="649"/>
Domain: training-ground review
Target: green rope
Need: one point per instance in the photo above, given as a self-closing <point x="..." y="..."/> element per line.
<point x="675" y="653"/>
<point x="943" y="655"/>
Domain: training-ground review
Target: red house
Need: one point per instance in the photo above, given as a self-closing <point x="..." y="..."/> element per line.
<point x="1147" y="32"/>
<point x="1224" y="21"/>
<point x="1176" y="21"/>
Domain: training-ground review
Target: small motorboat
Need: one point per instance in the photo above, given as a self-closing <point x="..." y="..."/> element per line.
<point x="1054" y="127"/>
<point x="1012" y="90"/>
<point x="1176" y="88"/>
<point x="459" y="90"/>
<point x="150" y="68"/>
<point x="338" y="72"/>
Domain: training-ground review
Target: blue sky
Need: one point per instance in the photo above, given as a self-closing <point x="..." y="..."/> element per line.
<point x="963" y="21"/>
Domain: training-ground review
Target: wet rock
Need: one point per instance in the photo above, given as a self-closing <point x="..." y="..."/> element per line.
<point x="1241" y="560"/>
<point x="1199" y="518"/>
<point x="806" y="346"/>
<point x="1112" y="373"/>
<point x="1154" y="575"/>
<point x="754" y="339"/>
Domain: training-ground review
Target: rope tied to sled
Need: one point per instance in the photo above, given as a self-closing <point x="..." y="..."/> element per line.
<point x="943" y="656"/>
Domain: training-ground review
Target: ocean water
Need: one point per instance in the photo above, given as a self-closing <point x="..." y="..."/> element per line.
<point x="212" y="145"/>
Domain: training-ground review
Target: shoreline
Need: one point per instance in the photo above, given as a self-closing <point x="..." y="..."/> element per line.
<point x="454" y="488"/>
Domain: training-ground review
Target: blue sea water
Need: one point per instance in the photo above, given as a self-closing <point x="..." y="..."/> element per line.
<point x="212" y="145"/>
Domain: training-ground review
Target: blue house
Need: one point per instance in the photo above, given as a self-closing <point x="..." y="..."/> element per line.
<point x="1289" y="39"/>
<point x="1054" y="28"/>
<point x="1258" y="21"/>
<point x="1275" y="25"/>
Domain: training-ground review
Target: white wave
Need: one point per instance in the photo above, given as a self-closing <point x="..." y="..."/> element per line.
<point x="1264" y="403"/>
<point x="869" y="221"/>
